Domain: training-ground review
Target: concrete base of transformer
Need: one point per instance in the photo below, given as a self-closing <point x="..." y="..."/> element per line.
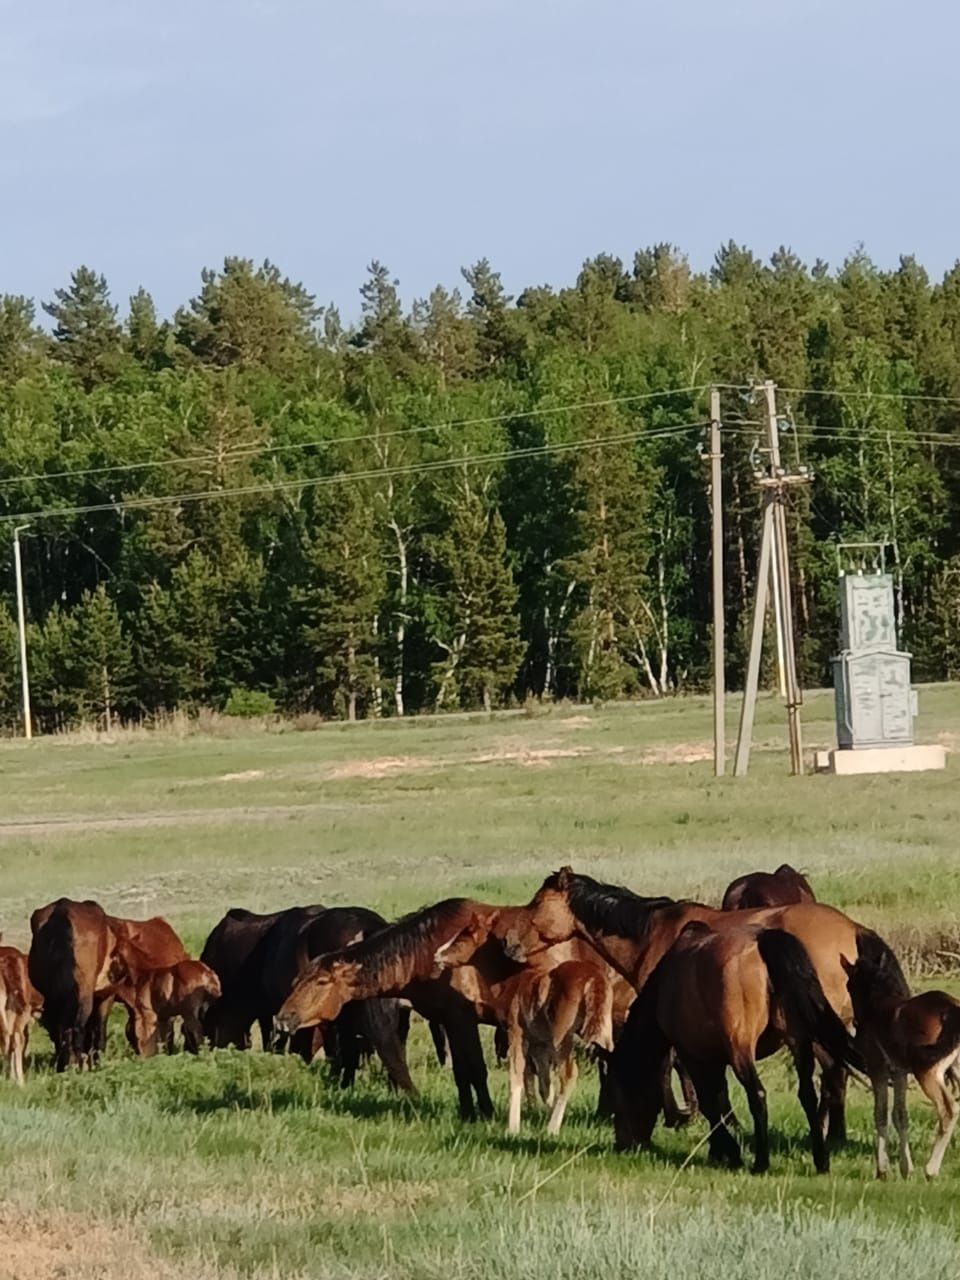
<point x="881" y="759"/>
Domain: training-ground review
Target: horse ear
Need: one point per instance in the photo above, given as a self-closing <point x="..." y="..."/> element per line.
<point x="564" y="876"/>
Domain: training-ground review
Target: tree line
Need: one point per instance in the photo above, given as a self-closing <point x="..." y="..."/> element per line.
<point x="468" y="502"/>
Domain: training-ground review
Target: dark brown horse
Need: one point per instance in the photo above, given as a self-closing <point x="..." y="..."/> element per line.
<point x="69" y="964"/>
<point x="778" y="888"/>
<point x="227" y="951"/>
<point x="399" y="961"/>
<point x="634" y="933"/>
<point x="726" y="1000"/>
<point x="902" y="1035"/>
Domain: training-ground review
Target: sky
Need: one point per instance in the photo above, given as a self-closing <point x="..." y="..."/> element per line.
<point x="149" y="140"/>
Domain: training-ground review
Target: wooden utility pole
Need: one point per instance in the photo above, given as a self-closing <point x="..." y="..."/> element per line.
<point x="716" y="553"/>
<point x="775" y="566"/>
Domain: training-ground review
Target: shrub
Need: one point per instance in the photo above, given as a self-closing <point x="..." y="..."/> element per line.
<point x="249" y="703"/>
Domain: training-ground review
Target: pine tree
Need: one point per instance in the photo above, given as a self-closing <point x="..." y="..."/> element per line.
<point x="251" y="317"/>
<point x="9" y="669"/>
<point x="342" y="601"/>
<point x="146" y="339"/>
<point x="102" y="659"/>
<point x="22" y="345"/>
<point x="474" y="613"/>
<point x="86" y="331"/>
<point x="179" y="635"/>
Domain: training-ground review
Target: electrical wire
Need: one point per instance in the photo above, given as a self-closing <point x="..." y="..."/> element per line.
<point x="345" y="477"/>
<point x="255" y="451"/>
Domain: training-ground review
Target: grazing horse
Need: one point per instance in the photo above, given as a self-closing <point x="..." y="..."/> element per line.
<point x="900" y="1036"/>
<point x="69" y="962"/>
<point x="20" y="1002"/>
<point x="141" y="948"/>
<point x="633" y="934"/>
<point x="542" y="1010"/>
<point x="399" y="961"/>
<point x="778" y="888"/>
<point x="726" y="1000"/>
<point x="157" y="997"/>
<point x="378" y="1024"/>
<point x="227" y="951"/>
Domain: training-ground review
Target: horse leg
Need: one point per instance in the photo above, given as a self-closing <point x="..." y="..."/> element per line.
<point x="901" y="1124"/>
<point x="604" y="1109"/>
<point x="500" y="1045"/>
<point x="689" y="1093"/>
<point x="710" y="1084"/>
<point x="746" y="1073"/>
<point x="568" y="1079"/>
<point x="881" y="1117"/>
<point x="439" y="1037"/>
<point x="807" y="1093"/>
<point x="383" y="1031"/>
<point x="931" y="1082"/>
<point x="462" y="1032"/>
<point x="517" y="1060"/>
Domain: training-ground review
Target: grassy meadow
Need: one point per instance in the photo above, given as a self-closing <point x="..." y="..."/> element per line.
<point x="253" y="1165"/>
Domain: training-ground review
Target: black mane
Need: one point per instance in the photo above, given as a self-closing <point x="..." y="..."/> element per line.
<point x="877" y="971"/>
<point x="608" y="908"/>
<point x="404" y="938"/>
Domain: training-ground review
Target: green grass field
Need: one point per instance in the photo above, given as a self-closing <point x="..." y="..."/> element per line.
<point x="252" y="1165"/>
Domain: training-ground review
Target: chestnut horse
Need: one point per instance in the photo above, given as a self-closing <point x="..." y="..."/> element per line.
<point x="69" y="963"/>
<point x="634" y="933"/>
<point x="726" y="1000"/>
<point x="399" y="961"/>
<point x="20" y="1002"/>
<point x="542" y="1009"/>
<point x="140" y="949"/>
<point x="777" y="888"/>
<point x="900" y="1036"/>
<point x="157" y="997"/>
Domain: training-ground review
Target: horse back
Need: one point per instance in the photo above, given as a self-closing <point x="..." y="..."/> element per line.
<point x="712" y="993"/>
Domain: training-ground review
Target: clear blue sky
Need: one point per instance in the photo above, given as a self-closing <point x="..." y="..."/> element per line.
<point x="150" y="139"/>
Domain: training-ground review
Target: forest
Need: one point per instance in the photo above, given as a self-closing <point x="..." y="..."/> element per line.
<point x="465" y="503"/>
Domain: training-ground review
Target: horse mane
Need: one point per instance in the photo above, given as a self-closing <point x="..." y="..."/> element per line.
<point x="879" y="966"/>
<point x="607" y="908"/>
<point x="409" y="942"/>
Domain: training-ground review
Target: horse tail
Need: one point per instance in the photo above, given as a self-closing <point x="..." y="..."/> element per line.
<point x="795" y="984"/>
<point x="598" y="1012"/>
<point x="636" y="1068"/>
<point x="52" y="970"/>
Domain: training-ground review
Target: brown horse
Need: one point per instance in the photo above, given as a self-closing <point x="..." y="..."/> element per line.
<point x="900" y="1036"/>
<point x="399" y="961"/>
<point x="140" y="948"/>
<point x="542" y="1009"/>
<point x="777" y="888"/>
<point x="20" y="1002"/>
<point x="157" y="997"/>
<point x="69" y="964"/>
<point x="634" y="933"/>
<point x="726" y="1000"/>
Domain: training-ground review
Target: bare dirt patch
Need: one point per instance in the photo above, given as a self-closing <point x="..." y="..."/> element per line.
<point x="51" y="1246"/>
<point x="678" y="753"/>
<point x="384" y="767"/>
<point x="247" y="775"/>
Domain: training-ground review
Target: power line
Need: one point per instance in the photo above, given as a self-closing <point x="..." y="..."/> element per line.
<point x="254" y="451"/>
<point x="841" y="393"/>
<point x="345" y="477"/>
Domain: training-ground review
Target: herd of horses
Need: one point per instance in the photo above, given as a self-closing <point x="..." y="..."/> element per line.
<point x="653" y="988"/>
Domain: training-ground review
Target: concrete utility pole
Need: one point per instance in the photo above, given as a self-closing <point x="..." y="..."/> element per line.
<point x="22" y="627"/>
<point x="716" y="553"/>
<point x="774" y="565"/>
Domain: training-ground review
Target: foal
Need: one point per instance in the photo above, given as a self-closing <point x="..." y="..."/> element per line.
<point x="543" y="1010"/>
<point x="899" y="1036"/>
<point x="158" y="997"/>
<point x="19" y="1003"/>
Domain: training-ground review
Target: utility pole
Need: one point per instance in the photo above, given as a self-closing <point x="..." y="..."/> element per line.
<point x="22" y="627"/>
<point x="716" y="556"/>
<point x="775" y="566"/>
